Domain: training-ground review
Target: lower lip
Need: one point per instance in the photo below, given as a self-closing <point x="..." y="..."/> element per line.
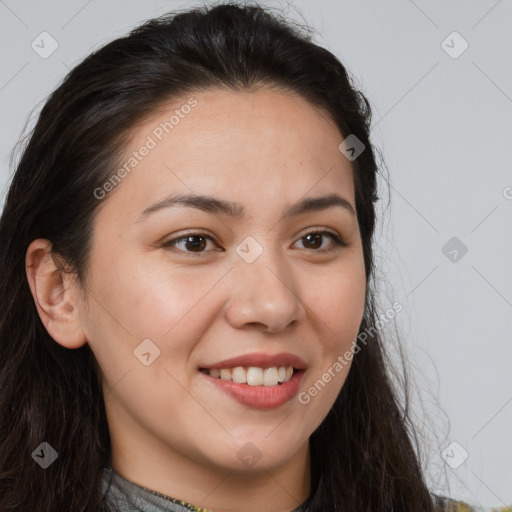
<point x="259" y="397"/>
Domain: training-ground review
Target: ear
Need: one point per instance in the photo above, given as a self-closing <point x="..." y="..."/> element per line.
<point x="55" y="294"/>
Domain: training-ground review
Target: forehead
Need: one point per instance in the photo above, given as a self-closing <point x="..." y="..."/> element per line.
<point x="266" y="144"/>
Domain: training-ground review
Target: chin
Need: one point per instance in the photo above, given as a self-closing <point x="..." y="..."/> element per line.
<point x="253" y="454"/>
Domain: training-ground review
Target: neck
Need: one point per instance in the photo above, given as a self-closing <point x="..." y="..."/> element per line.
<point x="279" y="489"/>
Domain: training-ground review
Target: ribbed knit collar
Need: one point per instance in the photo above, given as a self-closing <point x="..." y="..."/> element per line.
<point x="121" y="495"/>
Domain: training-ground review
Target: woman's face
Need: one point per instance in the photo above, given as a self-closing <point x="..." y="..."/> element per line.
<point x="163" y="309"/>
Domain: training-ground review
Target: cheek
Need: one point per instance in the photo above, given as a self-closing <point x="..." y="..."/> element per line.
<point x="133" y="303"/>
<point x="338" y="303"/>
<point x="170" y="306"/>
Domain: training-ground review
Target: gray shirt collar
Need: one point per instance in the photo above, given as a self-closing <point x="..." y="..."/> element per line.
<point x="122" y="495"/>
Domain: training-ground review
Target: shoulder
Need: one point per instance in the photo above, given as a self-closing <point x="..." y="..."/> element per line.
<point x="444" y="504"/>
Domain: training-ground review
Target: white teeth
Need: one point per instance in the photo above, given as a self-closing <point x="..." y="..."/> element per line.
<point x="253" y="375"/>
<point x="225" y="374"/>
<point x="239" y="375"/>
<point x="270" y="376"/>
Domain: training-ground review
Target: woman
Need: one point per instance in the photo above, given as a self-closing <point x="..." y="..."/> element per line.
<point x="188" y="318"/>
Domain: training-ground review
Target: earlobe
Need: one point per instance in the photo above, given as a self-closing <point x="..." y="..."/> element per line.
<point x="55" y="295"/>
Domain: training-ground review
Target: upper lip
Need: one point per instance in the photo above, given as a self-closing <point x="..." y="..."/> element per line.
<point x="259" y="360"/>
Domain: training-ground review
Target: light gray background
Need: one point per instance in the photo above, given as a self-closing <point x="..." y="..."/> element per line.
<point x="444" y="126"/>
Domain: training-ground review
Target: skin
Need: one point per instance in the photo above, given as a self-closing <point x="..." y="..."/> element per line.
<point x="171" y="430"/>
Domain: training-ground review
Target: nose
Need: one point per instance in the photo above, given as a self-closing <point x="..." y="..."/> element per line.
<point x="264" y="295"/>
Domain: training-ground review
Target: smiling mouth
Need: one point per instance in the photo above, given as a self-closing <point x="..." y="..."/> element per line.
<point x="253" y="375"/>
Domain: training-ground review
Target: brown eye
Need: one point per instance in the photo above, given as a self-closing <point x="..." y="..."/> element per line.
<point x="314" y="240"/>
<point x="193" y="242"/>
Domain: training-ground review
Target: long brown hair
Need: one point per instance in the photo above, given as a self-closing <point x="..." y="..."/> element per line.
<point x="364" y="456"/>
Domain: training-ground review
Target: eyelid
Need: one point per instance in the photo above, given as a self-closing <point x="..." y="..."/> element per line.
<point x="187" y="233"/>
<point x="319" y="229"/>
<point x="337" y="239"/>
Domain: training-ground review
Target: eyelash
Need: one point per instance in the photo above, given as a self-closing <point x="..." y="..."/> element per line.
<point x="338" y="241"/>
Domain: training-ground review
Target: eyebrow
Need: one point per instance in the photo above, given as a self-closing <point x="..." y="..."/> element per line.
<point x="215" y="205"/>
